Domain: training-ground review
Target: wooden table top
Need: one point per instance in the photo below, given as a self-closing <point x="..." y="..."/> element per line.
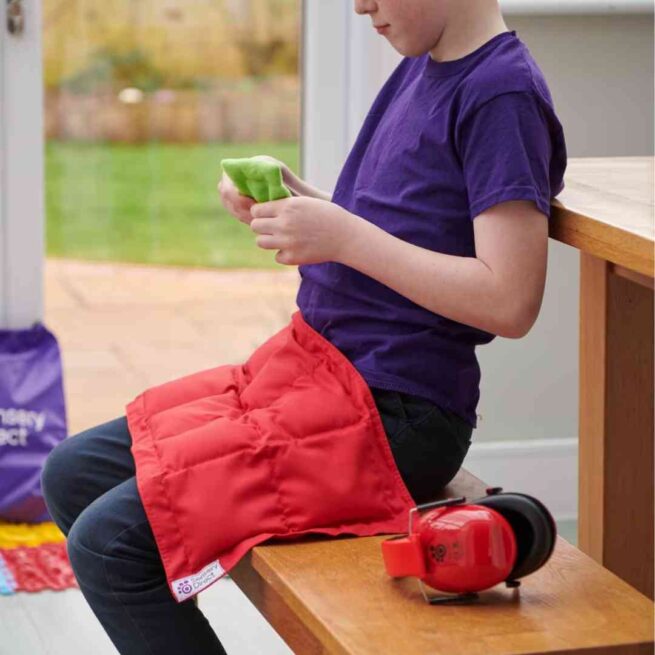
<point x="606" y="209"/>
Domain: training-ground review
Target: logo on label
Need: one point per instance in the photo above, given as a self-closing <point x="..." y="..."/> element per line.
<point x="184" y="587"/>
<point x="192" y="584"/>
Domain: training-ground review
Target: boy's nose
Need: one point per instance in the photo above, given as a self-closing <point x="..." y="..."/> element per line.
<point x="364" y="6"/>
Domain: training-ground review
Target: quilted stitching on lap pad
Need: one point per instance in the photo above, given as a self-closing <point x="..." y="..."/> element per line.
<point x="287" y="443"/>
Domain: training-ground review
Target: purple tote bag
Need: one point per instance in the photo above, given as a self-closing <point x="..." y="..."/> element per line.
<point x="32" y="418"/>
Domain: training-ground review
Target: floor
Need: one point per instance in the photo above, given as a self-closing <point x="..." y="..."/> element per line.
<point x="123" y="328"/>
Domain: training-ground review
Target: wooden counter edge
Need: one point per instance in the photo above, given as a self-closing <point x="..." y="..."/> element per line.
<point x="587" y="234"/>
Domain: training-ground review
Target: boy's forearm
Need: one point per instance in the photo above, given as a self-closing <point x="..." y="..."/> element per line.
<point x="463" y="289"/>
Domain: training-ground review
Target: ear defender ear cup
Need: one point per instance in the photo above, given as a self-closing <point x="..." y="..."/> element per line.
<point x="466" y="548"/>
<point x="533" y="525"/>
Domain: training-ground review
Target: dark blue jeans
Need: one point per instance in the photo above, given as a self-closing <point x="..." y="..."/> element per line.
<point x="89" y="486"/>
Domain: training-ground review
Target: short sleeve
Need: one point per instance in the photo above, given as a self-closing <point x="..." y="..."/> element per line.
<point x="505" y="149"/>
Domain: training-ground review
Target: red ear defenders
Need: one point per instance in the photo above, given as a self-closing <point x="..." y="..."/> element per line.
<point x="467" y="547"/>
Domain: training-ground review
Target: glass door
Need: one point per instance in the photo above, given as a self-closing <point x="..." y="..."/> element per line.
<point x="142" y="101"/>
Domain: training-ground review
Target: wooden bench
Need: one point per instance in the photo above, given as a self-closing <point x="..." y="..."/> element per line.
<point x="332" y="595"/>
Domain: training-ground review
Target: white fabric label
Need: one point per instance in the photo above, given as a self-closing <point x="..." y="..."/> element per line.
<point x="192" y="584"/>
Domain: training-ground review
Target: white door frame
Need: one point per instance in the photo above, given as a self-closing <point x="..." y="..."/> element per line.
<point x="22" y="224"/>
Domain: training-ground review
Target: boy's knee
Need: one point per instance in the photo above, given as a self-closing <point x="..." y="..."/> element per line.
<point x="105" y="553"/>
<point x="57" y="475"/>
<point x="84" y="551"/>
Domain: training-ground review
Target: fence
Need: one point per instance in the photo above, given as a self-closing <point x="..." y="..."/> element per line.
<point x="252" y="110"/>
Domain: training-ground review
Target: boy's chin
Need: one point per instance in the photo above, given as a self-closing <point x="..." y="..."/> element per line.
<point x="408" y="50"/>
<point x="411" y="52"/>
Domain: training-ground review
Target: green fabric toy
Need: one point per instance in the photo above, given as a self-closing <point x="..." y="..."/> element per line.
<point x="257" y="177"/>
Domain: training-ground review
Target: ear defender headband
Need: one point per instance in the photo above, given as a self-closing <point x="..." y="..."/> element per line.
<point x="467" y="547"/>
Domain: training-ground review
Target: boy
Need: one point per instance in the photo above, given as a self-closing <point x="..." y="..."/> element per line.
<point x="434" y="241"/>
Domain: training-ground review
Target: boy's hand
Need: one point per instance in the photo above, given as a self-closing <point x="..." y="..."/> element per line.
<point x="238" y="205"/>
<point x="304" y="230"/>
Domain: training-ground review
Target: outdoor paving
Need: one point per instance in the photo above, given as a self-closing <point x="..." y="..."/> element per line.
<point x="125" y="327"/>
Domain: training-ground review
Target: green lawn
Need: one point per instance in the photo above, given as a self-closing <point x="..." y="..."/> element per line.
<point x="155" y="204"/>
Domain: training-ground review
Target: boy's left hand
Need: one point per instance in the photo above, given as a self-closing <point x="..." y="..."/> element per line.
<point x="305" y="230"/>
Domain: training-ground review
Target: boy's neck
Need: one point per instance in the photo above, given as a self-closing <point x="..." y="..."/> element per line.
<point x="469" y="27"/>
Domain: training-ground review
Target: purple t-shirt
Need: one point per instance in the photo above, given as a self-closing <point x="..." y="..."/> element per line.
<point x="442" y="142"/>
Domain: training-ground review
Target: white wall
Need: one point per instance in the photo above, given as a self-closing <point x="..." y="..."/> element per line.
<point x="600" y="72"/>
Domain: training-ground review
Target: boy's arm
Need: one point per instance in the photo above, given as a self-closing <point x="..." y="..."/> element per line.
<point x="494" y="292"/>
<point x="510" y="148"/>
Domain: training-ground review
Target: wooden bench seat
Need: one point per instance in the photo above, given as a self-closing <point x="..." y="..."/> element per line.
<point x="332" y="595"/>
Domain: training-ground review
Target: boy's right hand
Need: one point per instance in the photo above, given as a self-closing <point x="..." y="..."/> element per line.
<point x="237" y="204"/>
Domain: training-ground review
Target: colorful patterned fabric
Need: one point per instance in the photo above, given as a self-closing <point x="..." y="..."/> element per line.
<point x="33" y="557"/>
